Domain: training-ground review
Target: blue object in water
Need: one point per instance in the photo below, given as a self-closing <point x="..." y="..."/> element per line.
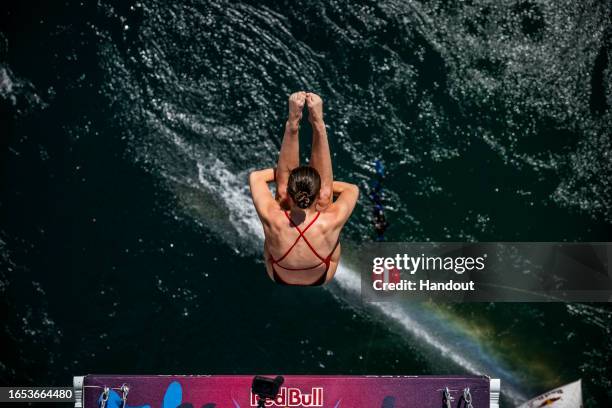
<point x="378" y="212"/>
<point x="380" y="168"/>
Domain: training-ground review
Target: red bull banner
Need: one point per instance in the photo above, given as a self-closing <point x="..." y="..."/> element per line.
<point x="234" y="391"/>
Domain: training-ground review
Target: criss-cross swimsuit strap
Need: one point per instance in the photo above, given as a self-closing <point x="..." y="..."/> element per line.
<point x="301" y="232"/>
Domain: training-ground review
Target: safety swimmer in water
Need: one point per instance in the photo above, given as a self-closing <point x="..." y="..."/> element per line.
<point x="376" y="196"/>
<point x="302" y="224"/>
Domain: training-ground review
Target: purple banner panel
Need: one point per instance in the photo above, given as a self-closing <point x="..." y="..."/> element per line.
<point x="234" y="391"/>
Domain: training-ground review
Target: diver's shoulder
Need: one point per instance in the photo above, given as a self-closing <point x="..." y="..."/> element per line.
<point x="332" y="216"/>
<point x="273" y="216"/>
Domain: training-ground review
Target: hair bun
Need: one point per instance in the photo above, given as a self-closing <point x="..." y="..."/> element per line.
<point x="303" y="186"/>
<point x="302" y="199"/>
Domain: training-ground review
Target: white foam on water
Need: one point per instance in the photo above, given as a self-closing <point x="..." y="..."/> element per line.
<point x="234" y="192"/>
<point x="349" y="280"/>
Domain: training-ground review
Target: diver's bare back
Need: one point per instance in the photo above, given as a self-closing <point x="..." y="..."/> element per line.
<point x="302" y="224"/>
<point x="323" y="235"/>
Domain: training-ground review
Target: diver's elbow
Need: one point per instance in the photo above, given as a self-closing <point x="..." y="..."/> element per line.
<point x="253" y="176"/>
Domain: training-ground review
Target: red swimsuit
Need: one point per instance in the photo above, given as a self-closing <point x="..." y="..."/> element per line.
<point x="324" y="261"/>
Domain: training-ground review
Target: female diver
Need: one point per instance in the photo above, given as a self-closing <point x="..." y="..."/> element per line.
<point x="302" y="224"/>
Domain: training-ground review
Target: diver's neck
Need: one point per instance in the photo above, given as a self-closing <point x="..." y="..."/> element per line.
<point x="300" y="215"/>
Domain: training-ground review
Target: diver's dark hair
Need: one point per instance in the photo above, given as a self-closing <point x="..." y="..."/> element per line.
<point x="304" y="185"/>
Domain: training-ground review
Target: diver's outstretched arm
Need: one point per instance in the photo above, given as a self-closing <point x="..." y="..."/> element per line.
<point x="289" y="156"/>
<point x="320" y="158"/>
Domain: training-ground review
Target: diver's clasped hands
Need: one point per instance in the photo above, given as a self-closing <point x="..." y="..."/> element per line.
<point x="296" y="105"/>
<point x="314" y="103"/>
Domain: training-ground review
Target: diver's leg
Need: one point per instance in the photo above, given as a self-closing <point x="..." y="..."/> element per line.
<point x="320" y="157"/>
<point x="289" y="156"/>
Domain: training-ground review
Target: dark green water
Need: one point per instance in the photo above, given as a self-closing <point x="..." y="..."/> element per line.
<point x="128" y="242"/>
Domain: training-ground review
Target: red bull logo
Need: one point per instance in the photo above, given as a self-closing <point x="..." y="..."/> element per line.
<point x="293" y="397"/>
